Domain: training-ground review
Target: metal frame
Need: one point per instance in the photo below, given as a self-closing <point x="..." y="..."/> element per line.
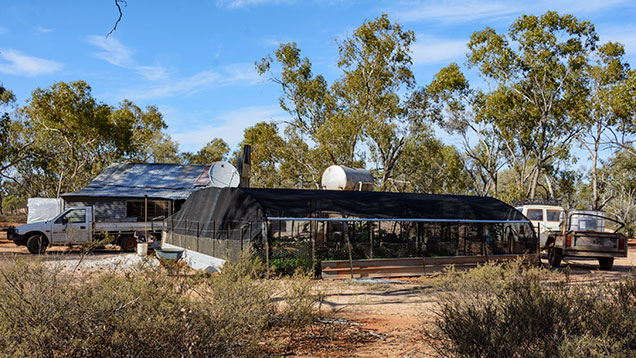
<point x="402" y="220"/>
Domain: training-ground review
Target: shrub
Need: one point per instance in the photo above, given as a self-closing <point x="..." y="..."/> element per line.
<point x="507" y="311"/>
<point x="48" y="312"/>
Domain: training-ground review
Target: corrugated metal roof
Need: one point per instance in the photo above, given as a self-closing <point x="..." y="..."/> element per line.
<point x="169" y="181"/>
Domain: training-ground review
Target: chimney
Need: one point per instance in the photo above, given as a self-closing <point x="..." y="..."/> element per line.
<point x="244" y="164"/>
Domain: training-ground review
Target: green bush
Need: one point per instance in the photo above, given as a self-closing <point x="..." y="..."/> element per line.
<point x="288" y="266"/>
<point x="509" y="311"/>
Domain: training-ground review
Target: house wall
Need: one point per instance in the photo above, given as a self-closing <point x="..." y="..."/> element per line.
<point x="105" y="209"/>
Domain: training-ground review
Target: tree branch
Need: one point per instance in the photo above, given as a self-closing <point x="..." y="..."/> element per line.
<point x="120" y="16"/>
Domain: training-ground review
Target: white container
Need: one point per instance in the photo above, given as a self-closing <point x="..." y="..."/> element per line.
<point x="339" y="177"/>
<point x="43" y="209"/>
<point x="142" y="249"/>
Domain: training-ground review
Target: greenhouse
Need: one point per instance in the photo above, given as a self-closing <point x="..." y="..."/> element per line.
<point x="351" y="233"/>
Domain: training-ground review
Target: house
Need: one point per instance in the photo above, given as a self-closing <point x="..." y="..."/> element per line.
<point x="119" y="193"/>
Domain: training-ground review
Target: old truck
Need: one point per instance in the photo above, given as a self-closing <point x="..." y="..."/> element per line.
<point x="583" y="233"/>
<point x="77" y="226"/>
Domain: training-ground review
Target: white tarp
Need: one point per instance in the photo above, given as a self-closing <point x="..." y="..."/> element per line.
<point x="43" y="209"/>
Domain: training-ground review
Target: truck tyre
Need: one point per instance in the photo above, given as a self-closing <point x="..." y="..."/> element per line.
<point x="128" y="243"/>
<point x="36" y="244"/>
<point x="554" y="256"/>
<point x="606" y="263"/>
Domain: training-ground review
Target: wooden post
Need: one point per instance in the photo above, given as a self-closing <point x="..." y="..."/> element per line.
<point x="146" y="218"/>
<point x="346" y="233"/>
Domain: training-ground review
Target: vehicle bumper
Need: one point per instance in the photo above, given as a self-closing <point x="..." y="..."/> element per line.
<point x="16" y="238"/>
<point x="594" y="254"/>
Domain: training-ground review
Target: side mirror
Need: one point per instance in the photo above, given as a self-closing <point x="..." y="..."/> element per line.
<point x="64" y="221"/>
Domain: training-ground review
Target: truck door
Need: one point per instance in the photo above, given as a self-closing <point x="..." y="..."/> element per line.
<point x="72" y="227"/>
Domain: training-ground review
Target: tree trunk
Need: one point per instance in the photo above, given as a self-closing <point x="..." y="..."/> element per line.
<point x="595" y="196"/>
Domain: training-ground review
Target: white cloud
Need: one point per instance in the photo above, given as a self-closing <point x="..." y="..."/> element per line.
<point x="118" y="54"/>
<point x="186" y="86"/>
<point x="43" y="30"/>
<point x="238" y="4"/>
<point x="429" y="50"/>
<point x="229" y="126"/>
<point x="18" y="64"/>
<point x="114" y="52"/>
<point x="458" y="11"/>
<point x="234" y="74"/>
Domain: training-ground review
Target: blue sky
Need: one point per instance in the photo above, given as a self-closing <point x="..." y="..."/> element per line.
<point x="195" y="59"/>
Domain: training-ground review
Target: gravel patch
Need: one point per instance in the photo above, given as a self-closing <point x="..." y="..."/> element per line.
<point x="118" y="263"/>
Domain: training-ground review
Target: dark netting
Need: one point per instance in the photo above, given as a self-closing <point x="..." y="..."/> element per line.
<point x="221" y="222"/>
<point x="380" y="205"/>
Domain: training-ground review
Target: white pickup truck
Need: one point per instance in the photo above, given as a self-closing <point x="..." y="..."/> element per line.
<point x="76" y="226"/>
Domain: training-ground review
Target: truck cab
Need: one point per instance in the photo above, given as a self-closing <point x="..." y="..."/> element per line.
<point x="77" y="226"/>
<point x="72" y="226"/>
<point x="544" y="217"/>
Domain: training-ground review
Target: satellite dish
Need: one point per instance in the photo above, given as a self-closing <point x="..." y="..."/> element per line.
<point x="224" y="175"/>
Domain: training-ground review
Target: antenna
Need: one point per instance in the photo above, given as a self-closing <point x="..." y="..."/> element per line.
<point x="224" y="175"/>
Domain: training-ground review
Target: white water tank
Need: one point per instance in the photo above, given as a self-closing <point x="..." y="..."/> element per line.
<point x="339" y="177"/>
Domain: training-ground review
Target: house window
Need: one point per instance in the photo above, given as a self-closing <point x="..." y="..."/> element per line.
<point x="136" y="209"/>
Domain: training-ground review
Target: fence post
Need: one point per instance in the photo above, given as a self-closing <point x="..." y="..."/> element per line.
<point x="370" y="225"/>
<point x="314" y="234"/>
<point x="198" y="227"/>
<point x="265" y="235"/>
<point x="346" y="232"/>
<point x="227" y="241"/>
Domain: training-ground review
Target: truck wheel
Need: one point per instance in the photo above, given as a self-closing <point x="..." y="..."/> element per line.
<point x="128" y="243"/>
<point x="36" y="244"/>
<point x="554" y="256"/>
<point x="606" y="263"/>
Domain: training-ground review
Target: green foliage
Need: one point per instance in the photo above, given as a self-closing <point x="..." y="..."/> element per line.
<point x="71" y="137"/>
<point x="510" y="311"/>
<point x="214" y="151"/>
<point x="369" y="103"/>
<point x="290" y="265"/>
<point x="268" y="150"/>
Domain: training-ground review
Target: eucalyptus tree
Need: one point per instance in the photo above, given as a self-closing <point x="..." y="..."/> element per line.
<point x="607" y="74"/>
<point x="215" y="150"/>
<point x="268" y="155"/>
<point x="375" y="87"/>
<point x="313" y="112"/>
<point x="74" y="137"/>
<point x="449" y="101"/>
<point x="537" y="88"/>
<point x="368" y="102"/>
